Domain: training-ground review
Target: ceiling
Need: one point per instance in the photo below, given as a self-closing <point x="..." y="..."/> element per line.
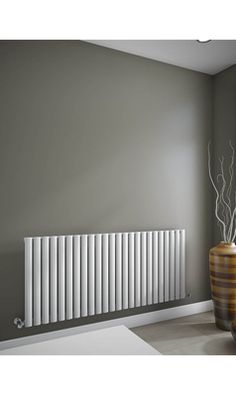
<point x="209" y="58"/>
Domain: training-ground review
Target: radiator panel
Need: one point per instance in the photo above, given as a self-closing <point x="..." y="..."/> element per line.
<point x="77" y="276"/>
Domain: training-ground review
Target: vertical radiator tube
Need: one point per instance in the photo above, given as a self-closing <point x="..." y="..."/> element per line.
<point x="118" y="272"/>
<point x="131" y="270"/>
<point x="172" y="265"/>
<point x="37" y="281"/>
<point x="166" y="265"/>
<point x="28" y="282"/>
<point x="155" y="267"/>
<point x="84" y="278"/>
<point x="137" y="271"/>
<point x="77" y="276"/>
<point x="69" y="277"/>
<point x="144" y="268"/>
<point x="149" y="272"/>
<point x="45" y="280"/>
<point x="177" y="265"/>
<point x="161" y="265"/>
<point x="125" y="272"/>
<point x="61" y="278"/>
<point x="105" y="273"/>
<point x="53" y="279"/>
<point x="112" y="260"/>
<point x="98" y="273"/>
<point x="91" y="281"/>
<point x="182" y="268"/>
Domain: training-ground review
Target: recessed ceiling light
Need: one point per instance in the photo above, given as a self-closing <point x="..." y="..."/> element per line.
<point x="203" y="41"/>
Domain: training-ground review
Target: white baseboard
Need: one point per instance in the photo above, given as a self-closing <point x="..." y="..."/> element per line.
<point x="128" y="321"/>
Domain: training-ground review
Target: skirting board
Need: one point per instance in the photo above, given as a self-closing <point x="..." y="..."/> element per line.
<point x="129" y="321"/>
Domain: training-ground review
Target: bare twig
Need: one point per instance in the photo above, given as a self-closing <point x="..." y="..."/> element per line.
<point x="231" y="174"/>
<point x="217" y="195"/>
<point x="226" y="216"/>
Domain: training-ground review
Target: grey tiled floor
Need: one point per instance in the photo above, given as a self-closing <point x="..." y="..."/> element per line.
<point x="196" y="334"/>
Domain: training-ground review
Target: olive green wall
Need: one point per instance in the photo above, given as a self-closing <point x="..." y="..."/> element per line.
<point x="96" y="140"/>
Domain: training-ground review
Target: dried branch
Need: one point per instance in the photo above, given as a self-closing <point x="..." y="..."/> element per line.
<point x="217" y="195"/>
<point x="231" y="174"/>
<point x="226" y="216"/>
<point x="226" y="206"/>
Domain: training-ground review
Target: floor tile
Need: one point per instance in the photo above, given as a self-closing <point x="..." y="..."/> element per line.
<point x="190" y="335"/>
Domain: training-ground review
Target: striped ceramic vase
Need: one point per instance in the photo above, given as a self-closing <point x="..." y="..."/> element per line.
<point x="222" y="259"/>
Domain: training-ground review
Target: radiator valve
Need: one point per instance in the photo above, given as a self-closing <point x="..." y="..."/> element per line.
<point x="18" y="322"/>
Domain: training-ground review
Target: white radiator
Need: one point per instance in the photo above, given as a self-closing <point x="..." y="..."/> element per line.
<point x="73" y="276"/>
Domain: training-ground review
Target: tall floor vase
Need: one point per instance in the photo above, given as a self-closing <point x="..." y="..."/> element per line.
<point x="222" y="260"/>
